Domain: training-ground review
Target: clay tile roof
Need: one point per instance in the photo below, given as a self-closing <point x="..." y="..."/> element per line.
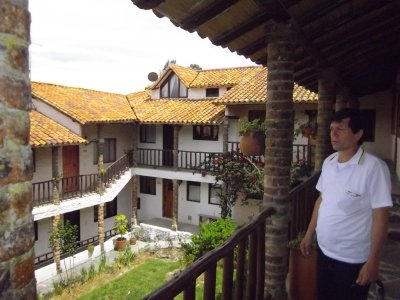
<point x="83" y="105"/>
<point x="45" y="132"/>
<point x="223" y="77"/>
<point x="186" y="75"/>
<point x="254" y="90"/>
<point x="175" y="111"/>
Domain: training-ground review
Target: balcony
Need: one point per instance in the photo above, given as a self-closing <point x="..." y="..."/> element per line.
<point x="79" y="186"/>
<point x="190" y="160"/>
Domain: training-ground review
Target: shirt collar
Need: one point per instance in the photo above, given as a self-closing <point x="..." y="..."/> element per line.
<point x="357" y="158"/>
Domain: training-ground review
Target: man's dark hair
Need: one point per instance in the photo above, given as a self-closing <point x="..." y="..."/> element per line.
<point x="356" y="122"/>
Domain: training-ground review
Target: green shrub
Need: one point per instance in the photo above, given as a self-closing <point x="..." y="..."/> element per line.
<point x="125" y="258"/>
<point x="92" y="272"/>
<point x="84" y="275"/>
<point x="211" y="236"/>
<point x="103" y="263"/>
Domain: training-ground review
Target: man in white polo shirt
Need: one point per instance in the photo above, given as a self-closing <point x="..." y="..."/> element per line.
<point x="350" y="216"/>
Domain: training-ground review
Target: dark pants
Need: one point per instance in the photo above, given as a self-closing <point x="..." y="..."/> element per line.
<point x="336" y="280"/>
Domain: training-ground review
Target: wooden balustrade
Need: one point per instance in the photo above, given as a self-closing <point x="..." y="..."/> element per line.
<point x="249" y="260"/>
<point x="245" y="251"/>
<point x="78" y="186"/>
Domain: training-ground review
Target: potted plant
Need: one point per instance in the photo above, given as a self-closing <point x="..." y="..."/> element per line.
<point x="134" y="236"/>
<point x="306" y="129"/>
<point x="302" y="271"/>
<point x="120" y="225"/>
<point x="252" y="140"/>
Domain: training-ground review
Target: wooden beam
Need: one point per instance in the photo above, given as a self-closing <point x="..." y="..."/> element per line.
<point x="252" y="47"/>
<point x="147" y="4"/>
<point x="216" y="7"/>
<point x="242" y="29"/>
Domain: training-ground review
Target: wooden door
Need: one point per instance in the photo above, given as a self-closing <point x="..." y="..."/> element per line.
<point x="168" y="145"/>
<point x="167" y="198"/>
<point x="70" y="169"/>
<point x="74" y="217"/>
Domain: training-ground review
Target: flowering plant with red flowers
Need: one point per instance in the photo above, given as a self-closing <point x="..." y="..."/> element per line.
<point x="238" y="173"/>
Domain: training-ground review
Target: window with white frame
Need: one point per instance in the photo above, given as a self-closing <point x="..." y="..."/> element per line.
<point x="147" y="133"/>
<point x="214" y="192"/>
<point x="193" y="191"/>
<point x="173" y="88"/>
<point x="109" y="151"/>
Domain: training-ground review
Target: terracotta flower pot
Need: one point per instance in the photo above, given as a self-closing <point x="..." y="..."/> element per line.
<point x="302" y="275"/>
<point x="120" y="244"/>
<point x="252" y="143"/>
<point x="132" y="241"/>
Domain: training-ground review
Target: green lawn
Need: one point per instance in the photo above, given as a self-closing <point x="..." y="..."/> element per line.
<point x="136" y="283"/>
<point x="140" y="281"/>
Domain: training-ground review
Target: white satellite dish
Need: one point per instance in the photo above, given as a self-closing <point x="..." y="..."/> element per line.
<point x="152" y="76"/>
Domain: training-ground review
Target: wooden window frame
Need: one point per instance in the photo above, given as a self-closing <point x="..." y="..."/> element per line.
<point x="107" y="159"/>
<point x="110" y="210"/>
<point x="146" y="133"/>
<point x="148" y="185"/>
<point x="181" y="93"/>
<point x="216" y="187"/>
<point x="212" y="92"/>
<point x="193" y="184"/>
<point x="201" y="134"/>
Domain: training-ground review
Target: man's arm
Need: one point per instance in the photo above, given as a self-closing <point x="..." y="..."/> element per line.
<point x="305" y="245"/>
<point x="369" y="272"/>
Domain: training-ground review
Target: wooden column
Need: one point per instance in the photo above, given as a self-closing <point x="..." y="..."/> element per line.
<point x="326" y="104"/>
<point x="281" y="40"/>
<point x="17" y="278"/>
<point x="100" y="185"/>
<point x="175" y="185"/>
<point x="134" y="219"/>
<point x="225" y="135"/>
<point x="56" y="201"/>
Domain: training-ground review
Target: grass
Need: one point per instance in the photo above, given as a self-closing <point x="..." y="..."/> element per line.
<point x="135" y="283"/>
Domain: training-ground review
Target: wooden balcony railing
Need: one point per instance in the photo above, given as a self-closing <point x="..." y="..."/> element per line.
<point x="78" y="186"/>
<point x="244" y="252"/>
<point x="190" y="160"/>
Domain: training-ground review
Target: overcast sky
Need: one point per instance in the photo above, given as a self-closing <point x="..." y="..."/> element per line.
<point x="111" y="45"/>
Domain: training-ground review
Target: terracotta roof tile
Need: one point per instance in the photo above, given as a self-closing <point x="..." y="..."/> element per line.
<point x="45" y="132"/>
<point x="85" y="106"/>
<point x="254" y="90"/>
<point x="175" y="111"/>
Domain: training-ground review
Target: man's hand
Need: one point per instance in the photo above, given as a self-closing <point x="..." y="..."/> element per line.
<point x="305" y="246"/>
<point x="368" y="273"/>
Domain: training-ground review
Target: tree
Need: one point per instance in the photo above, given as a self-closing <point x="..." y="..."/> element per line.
<point x="168" y="63"/>
<point x="67" y="235"/>
<point x="195" y="67"/>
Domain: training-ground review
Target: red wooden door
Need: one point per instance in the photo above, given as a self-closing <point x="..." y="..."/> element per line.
<point x="70" y="169"/>
<point x="167" y="198"/>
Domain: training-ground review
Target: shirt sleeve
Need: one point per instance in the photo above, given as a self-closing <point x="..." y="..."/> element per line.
<point x="380" y="186"/>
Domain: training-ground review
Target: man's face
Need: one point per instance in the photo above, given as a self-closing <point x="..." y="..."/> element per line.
<point x="342" y="138"/>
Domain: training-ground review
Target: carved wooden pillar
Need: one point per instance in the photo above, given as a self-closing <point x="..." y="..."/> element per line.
<point x="326" y="104"/>
<point x="281" y="39"/>
<point x="56" y="201"/>
<point x="100" y="185"/>
<point x="175" y="185"/>
<point x="17" y="278"/>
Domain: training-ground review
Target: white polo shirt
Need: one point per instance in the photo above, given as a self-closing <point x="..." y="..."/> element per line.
<point x="349" y="193"/>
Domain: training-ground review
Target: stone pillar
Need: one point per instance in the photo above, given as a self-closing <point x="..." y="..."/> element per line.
<point x="342" y="98"/>
<point x="17" y="278"/>
<point x="100" y="185"/>
<point x="134" y="219"/>
<point x="326" y="102"/>
<point x="281" y="39"/>
<point x="175" y="185"/>
<point x="56" y="201"/>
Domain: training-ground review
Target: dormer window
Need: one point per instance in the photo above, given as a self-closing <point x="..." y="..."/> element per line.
<point x="173" y="88"/>
<point x="212" y="92"/>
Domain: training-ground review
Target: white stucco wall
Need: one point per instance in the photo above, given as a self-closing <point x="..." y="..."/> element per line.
<point x="43" y="158"/>
<point x="382" y="103"/>
<point x="42" y="244"/>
